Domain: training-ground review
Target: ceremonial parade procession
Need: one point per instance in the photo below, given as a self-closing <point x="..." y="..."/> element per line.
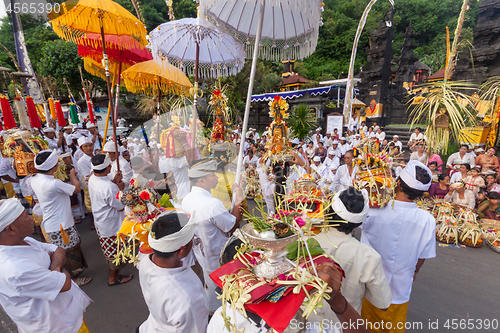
<point x="166" y="166"/>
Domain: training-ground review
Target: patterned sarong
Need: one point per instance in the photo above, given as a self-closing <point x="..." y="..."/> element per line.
<point x="109" y="249"/>
<point x="74" y="254"/>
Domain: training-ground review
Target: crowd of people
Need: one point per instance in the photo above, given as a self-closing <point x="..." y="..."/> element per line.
<point x="39" y="279"/>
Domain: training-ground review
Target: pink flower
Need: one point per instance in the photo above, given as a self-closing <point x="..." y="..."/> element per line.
<point x="300" y="221"/>
<point x="283" y="277"/>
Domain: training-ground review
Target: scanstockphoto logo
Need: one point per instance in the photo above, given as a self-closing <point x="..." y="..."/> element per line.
<point x="36" y="8"/>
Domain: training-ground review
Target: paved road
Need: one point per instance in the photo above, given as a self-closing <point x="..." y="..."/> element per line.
<point x="461" y="283"/>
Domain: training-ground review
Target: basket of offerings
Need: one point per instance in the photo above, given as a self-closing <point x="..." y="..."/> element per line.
<point x="306" y="198"/>
<point x="470" y="235"/>
<point x="447" y="231"/>
<point x="491" y="233"/>
<point x="23" y="147"/>
<point x="374" y="173"/>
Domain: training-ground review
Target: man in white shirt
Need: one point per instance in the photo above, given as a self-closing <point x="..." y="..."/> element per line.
<point x="364" y="273"/>
<point x="84" y="166"/>
<point x="179" y="166"/>
<point x="135" y="147"/>
<point x="336" y="150"/>
<point x="256" y="135"/>
<point x="354" y="124"/>
<point x="345" y="173"/>
<point x="125" y="168"/>
<point x="108" y="213"/>
<point x="356" y="141"/>
<point x="328" y="140"/>
<point x="380" y="135"/>
<point x="459" y="158"/>
<point x="344" y="146"/>
<point x="332" y="160"/>
<point x="404" y="237"/>
<point x="397" y="143"/>
<point x="314" y="138"/>
<point x="96" y="136"/>
<point x="172" y="291"/>
<point x="58" y="223"/>
<point x="215" y="223"/>
<point x="8" y="176"/>
<point x="250" y="159"/>
<point x="36" y="290"/>
<point x="50" y="137"/>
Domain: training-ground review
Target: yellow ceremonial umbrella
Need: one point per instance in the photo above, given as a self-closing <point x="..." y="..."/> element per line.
<point x="78" y="17"/>
<point x="148" y="77"/>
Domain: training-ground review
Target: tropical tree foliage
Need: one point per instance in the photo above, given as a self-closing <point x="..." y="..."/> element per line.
<point x="301" y="121"/>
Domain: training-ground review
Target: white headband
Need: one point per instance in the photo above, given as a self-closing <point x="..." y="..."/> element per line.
<point x="50" y="162"/>
<point x="65" y="154"/>
<point x="175" y="241"/>
<point x="339" y="208"/>
<point x="202" y="169"/>
<point x="10" y="210"/>
<point x="103" y="165"/>
<point x="408" y="175"/>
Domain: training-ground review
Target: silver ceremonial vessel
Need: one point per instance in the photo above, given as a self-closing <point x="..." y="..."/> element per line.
<point x="274" y="262"/>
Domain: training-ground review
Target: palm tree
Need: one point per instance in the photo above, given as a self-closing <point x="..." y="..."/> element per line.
<point x="301" y="121"/>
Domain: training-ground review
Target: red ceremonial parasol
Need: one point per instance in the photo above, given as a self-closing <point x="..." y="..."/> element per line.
<point x="60" y="115"/>
<point x="32" y="113"/>
<point x="119" y="48"/>
<point x="8" y="117"/>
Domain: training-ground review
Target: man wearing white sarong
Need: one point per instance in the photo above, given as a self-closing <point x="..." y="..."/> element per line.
<point x="214" y="223"/>
<point x="125" y="168"/>
<point x="345" y="173"/>
<point x="53" y="195"/>
<point x="364" y="273"/>
<point x="85" y="168"/>
<point x="404" y="237"/>
<point x="354" y="124"/>
<point x="36" y="290"/>
<point x="108" y="213"/>
<point x="172" y="291"/>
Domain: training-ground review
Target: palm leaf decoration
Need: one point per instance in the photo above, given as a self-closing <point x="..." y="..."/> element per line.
<point x="490" y="93"/>
<point x="148" y="106"/>
<point x="301" y="121"/>
<point x="444" y="106"/>
<point x="446" y="110"/>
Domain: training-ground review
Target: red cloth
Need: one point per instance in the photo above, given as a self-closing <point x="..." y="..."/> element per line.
<point x="32" y="113"/>
<point x="89" y="106"/>
<point x="60" y="115"/>
<point x="277" y="315"/>
<point x="8" y="117"/>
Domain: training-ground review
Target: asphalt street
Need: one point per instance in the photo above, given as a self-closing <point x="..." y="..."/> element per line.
<point x="460" y="284"/>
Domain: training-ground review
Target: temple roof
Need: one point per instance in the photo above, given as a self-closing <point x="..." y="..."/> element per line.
<point x="294" y="79"/>
<point x="438" y="75"/>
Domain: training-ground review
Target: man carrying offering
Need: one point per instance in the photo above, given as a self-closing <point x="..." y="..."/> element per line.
<point x="36" y="290"/>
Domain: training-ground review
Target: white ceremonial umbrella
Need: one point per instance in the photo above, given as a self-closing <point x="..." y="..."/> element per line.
<point x="282" y="29"/>
<point x="199" y="49"/>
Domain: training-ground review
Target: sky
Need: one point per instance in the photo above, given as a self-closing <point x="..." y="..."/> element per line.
<point x="2" y="9"/>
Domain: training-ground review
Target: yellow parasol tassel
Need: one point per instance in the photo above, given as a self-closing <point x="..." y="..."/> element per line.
<point x="52" y="108"/>
<point x="64" y="235"/>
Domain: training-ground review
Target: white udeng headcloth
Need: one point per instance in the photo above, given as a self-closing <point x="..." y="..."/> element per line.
<point x="175" y="241"/>
<point x="10" y="210"/>
<point x="340" y="210"/>
<point x="107" y="161"/>
<point x="203" y="169"/>
<point x="50" y="162"/>
<point x="409" y="176"/>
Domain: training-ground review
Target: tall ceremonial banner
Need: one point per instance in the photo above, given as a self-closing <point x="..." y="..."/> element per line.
<point x="16" y="8"/>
